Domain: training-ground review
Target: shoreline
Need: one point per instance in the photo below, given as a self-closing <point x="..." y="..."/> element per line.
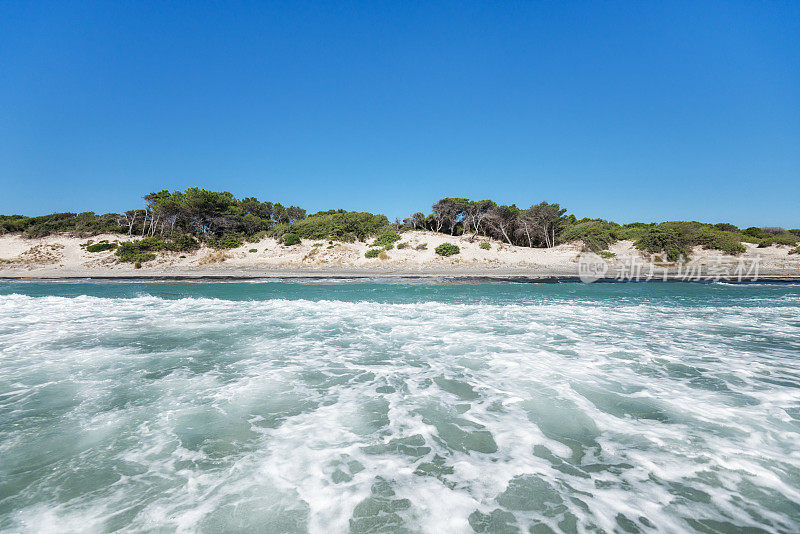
<point x="377" y="278"/>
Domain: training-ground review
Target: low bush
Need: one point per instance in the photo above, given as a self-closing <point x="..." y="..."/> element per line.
<point x="786" y="238"/>
<point x="606" y="254"/>
<point x="386" y="240"/>
<point x="447" y="249"/>
<point x="757" y="233"/>
<point x="595" y="234"/>
<point x="402" y="245"/>
<point x="253" y="250"/>
<point x="143" y="250"/>
<point x="667" y="240"/>
<point x="486" y="246"/>
<point x="290" y="239"/>
<point x="255" y="238"/>
<point x="727" y="242"/>
<point x="100" y="247"/>
<point x="676" y="239"/>
<point x="373" y="253"/>
<point x="80" y="224"/>
<point x="334" y="224"/>
<point x="226" y="242"/>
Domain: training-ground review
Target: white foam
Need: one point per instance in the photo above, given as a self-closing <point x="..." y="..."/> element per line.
<point x="207" y="406"/>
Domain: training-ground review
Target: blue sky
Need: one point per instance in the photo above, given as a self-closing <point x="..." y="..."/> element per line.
<point x="628" y="111"/>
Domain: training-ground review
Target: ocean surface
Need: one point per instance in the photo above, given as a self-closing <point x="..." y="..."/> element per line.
<point x="340" y="407"/>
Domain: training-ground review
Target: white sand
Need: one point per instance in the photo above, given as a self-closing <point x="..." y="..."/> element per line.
<point x="63" y="257"/>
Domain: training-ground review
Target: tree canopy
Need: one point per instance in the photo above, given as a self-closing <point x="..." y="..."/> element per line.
<point x="180" y="220"/>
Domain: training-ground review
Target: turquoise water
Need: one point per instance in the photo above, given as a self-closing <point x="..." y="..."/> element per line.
<point x="659" y="407"/>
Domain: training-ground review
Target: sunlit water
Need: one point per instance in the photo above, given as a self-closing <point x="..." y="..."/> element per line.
<point x="399" y="408"/>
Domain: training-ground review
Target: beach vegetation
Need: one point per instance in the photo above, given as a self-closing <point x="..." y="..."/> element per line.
<point x="77" y="224"/>
<point x="486" y="246"/>
<point x="373" y="253"/>
<point x="256" y="237"/>
<point x="594" y="234"/>
<point x="143" y="250"/>
<point x="290" y="239"/>
<point x="222" y="221"/>
<point x="226" y="241"/>
<point x="340" y="225"/>
<point x="386" y="240"/>
<point x="100" y="247"/>
<point x="447" y="249"/>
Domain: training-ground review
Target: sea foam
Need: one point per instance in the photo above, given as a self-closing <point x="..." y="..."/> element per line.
<point x="565" y="412"/>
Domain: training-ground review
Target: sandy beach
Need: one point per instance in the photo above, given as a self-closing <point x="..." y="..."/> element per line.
<point x="63" y="257"/>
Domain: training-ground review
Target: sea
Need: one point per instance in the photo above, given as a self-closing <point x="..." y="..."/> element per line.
<point x="337" y="406"/>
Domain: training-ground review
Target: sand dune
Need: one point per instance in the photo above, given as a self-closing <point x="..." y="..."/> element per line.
<point x="63" y="256"/>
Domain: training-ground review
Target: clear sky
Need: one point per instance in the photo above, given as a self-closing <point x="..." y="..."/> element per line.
<point x="628" y="111"/>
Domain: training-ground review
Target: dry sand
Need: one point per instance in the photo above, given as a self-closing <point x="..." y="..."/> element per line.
<point x="64" y="257"/>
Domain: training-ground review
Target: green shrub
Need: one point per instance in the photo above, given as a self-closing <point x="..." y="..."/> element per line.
<point x="290" y="239"/>
<point x="595" y="234"/>
<point x="780" y="239"/>
<point x="486" y="246"/>
<point x="758" y="233"/>
<point x="386" y="240"/>
<point x="423" y="246"/>
<point x="727" y="242"/>
<point x="373" y="253"/>
<point x="80" y="224"/>
<point x="226" y="241"/>
<point x="142" y="250"/>
<point x="726" y="227"/>
<point x="668" y="240"/>
<point x="252" y="250"/>
<point x="99" y="247"/>
<point x="402" y="245"/>
<point x="795" y="250"/>
<point x="334" y="224"/>
<point x="255" y="238"/>
<point x="606" y="254"/>
<point x="675" y="239"/>
<point x="447" y="249"/>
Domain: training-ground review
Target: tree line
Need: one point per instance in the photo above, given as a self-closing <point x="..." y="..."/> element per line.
<point x="206" y="213"/>
<point x="537" y="226"/>
<point x="222" y="220"/>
